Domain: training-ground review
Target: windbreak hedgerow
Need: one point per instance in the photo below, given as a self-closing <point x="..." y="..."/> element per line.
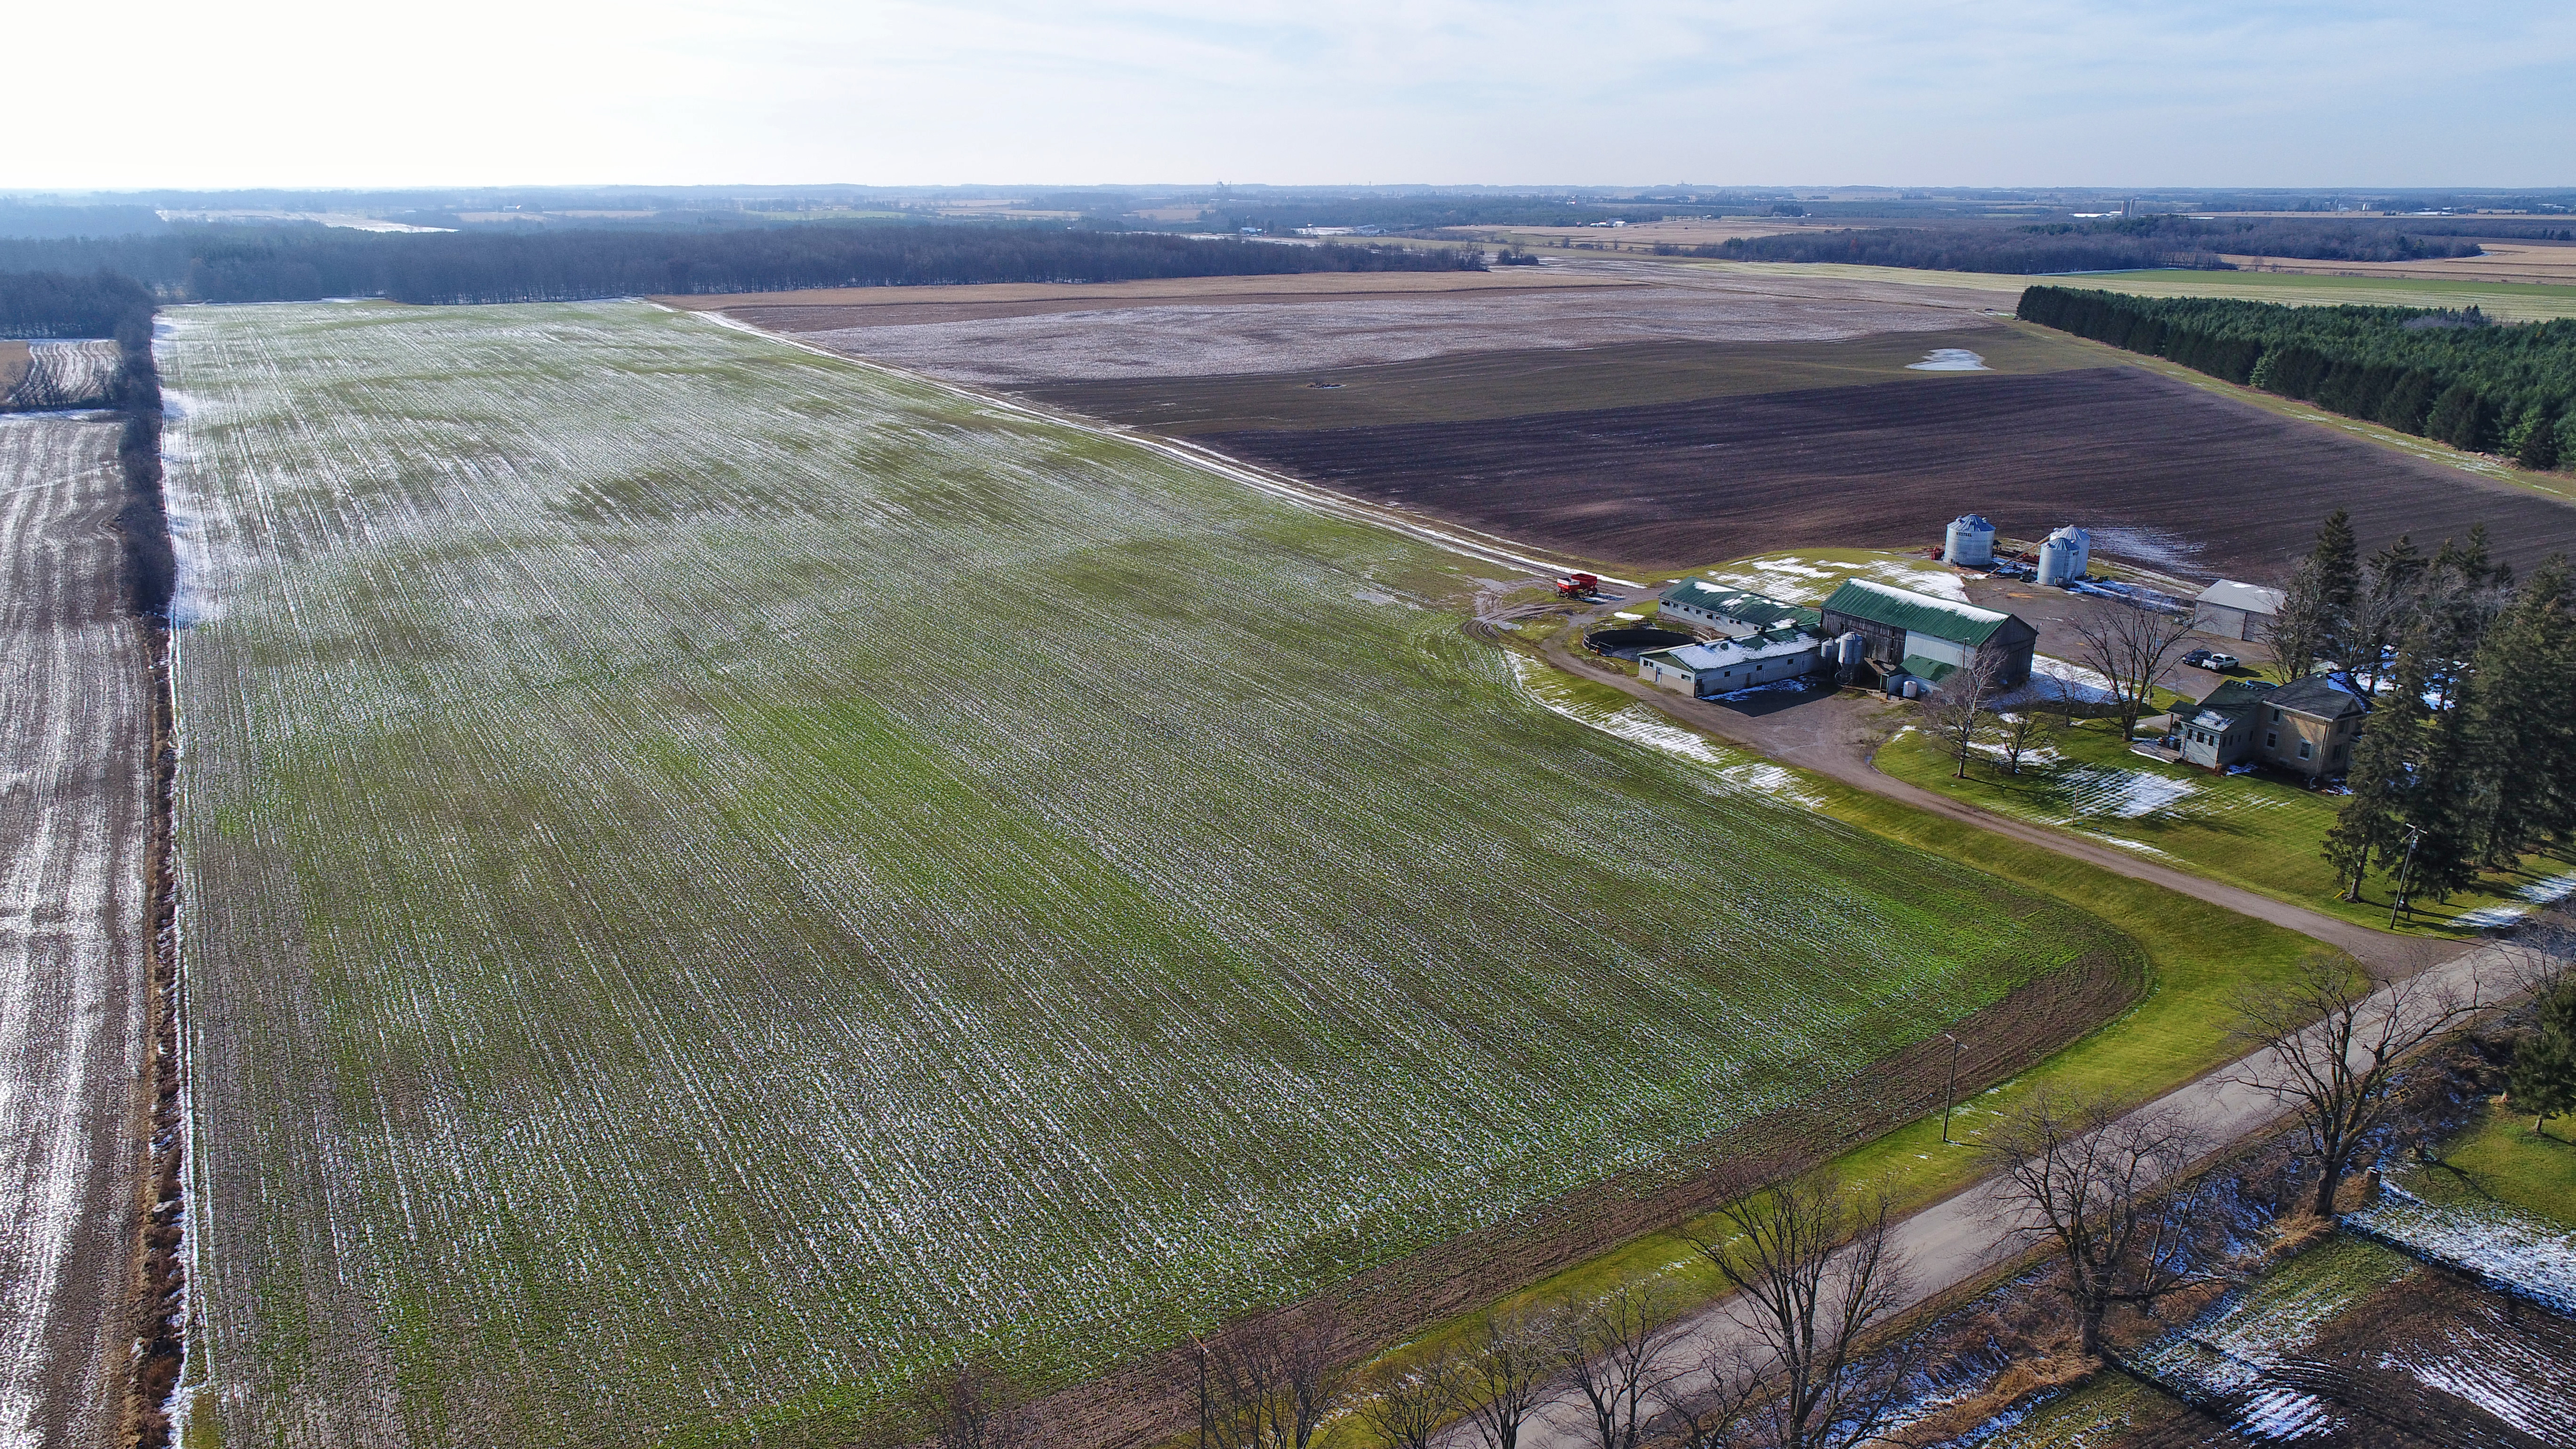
<point x="717" y="879"/>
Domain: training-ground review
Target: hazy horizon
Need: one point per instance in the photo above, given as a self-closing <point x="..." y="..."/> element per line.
<point x="275" y="94"/>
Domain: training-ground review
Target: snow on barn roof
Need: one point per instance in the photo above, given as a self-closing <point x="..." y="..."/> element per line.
<point x="1759" y="611"/>
<point x="1724" y="653"/>
<point x="2252" y="598"/>
<point x="1918" y="613"/>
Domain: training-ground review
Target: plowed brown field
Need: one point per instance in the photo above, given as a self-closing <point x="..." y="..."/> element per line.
<point x="2186" y="480"/>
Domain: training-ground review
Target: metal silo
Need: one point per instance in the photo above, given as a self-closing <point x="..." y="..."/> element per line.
<point x="2065" y="556"/>
<point x="1970" y="543"/>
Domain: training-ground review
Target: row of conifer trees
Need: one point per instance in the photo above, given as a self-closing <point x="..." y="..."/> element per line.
<point x="2468" y="759"/>
<point x="2453" y="377"/>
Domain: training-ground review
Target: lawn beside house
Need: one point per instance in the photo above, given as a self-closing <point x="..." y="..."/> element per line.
<point x="2252" y="830"/>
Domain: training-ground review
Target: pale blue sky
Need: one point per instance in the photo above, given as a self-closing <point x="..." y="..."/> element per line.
<point x="1925" y="92"/>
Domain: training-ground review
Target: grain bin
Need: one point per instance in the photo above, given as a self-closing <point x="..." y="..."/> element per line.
<point x="2065" y="556"/>
<point x="1970" y="543"/>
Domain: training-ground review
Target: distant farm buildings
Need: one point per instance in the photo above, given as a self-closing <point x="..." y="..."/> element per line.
<point x="2232" y="610"/>
<point x="1928" y="637"/>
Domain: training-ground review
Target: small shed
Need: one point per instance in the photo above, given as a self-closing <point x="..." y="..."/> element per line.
<point x="2232" y="610"/>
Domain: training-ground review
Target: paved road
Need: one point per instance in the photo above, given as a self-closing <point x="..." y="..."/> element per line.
<point x="1836" y="735"/>
<point x="1958" y="1240"/>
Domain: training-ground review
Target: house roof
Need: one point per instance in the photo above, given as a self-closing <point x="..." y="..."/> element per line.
<point x="2251" y="598"/>
<point x="2229" y="703"/>
<point x="1742" y="605"/>
<point x="2235" y="695"/>
<point x="2317" y="697"/>
<point x="1930" y="671"/>
<point x="1921" y="613"/>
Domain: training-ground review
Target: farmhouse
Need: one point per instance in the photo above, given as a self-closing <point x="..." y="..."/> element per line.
<point x="2307" y="727"/>
<point x="1736" y="613"/>
<point x="2232" y="610"/>
<point x="1728" y="665"/>
<point x="2221" y="732"/>
<point x="1929" y="637"/>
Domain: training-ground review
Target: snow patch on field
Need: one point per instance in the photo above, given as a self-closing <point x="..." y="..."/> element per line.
<point x="1806" y="579"/>
<point x="2528" y="1255"/>
<point x="1949" y="359"/>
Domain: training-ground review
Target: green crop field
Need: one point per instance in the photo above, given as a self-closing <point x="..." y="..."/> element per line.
<point x="715" y="878"/>
<point x="2260" y="833"/>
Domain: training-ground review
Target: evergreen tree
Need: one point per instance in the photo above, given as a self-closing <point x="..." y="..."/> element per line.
<point x="2534" y="440"/>
<point x="2449" y="798"/>
<point x="2523" y="745"/>
<point x="2338" y="561"/>
<point x="2307" y="624"/>
<point x="2543" y="1078"/>
<point x="2368" y="824"/>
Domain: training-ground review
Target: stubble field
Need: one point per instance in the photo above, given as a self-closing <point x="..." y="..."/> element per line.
<point x="2203" y="485"/>
<point x="715" y="879"/>
<point x="75" y="777"/>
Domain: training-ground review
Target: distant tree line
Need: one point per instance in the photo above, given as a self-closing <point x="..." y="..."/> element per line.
<point x="2017" y="250"/>
<point x="2113" y="245"/>
<point x="290" y="264"/>
<point x="2468" y="760"/>
<point x="2449" y="376"/>
<point x="58" y="304"/>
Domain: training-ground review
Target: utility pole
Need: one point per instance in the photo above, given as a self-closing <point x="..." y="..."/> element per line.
<point x="2414" y="833"/>
<point x="1950" y="1088"/>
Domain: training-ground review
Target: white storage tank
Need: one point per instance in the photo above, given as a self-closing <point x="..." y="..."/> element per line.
<point x="2065" y="555"/>
<point x="1970" y="543"/>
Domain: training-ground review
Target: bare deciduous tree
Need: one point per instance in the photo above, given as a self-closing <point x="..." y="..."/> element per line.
<point x="1269" y="1385"/>
<point x="2129" y="648"/>
<point x="2015" y="731"/>
<point x="2333" y="1046"/>
<point x="1711" y="1411"/>
<point x="1612" y="1350"/>
<point x="1955" y="713"/>
<point x="975" y="1406"/>
<point x="1407" y="1408"/>
<point x="2107" y="1189"/>
<point x="1816" y="1273"/>
<point x="1499" y="1375"/>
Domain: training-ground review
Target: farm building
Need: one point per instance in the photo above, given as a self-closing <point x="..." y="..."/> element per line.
<point x="1929" y="637"/>
<point x="2307" y="727"/>
<point x="1728" y="665"/>
<point x="2221" y="731"/>
<point x="2232" y="610"/>
<point x="1736" y="613"/>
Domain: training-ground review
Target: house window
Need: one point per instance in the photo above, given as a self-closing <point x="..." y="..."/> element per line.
<point x="2305" y="748"/>
<point x="2271" y="739"/>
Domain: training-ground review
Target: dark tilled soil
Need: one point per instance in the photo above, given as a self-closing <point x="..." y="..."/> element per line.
<point x="2184" y="480"/>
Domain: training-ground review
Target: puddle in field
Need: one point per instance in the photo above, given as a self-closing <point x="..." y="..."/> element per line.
<point x="1949" y="359"/>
